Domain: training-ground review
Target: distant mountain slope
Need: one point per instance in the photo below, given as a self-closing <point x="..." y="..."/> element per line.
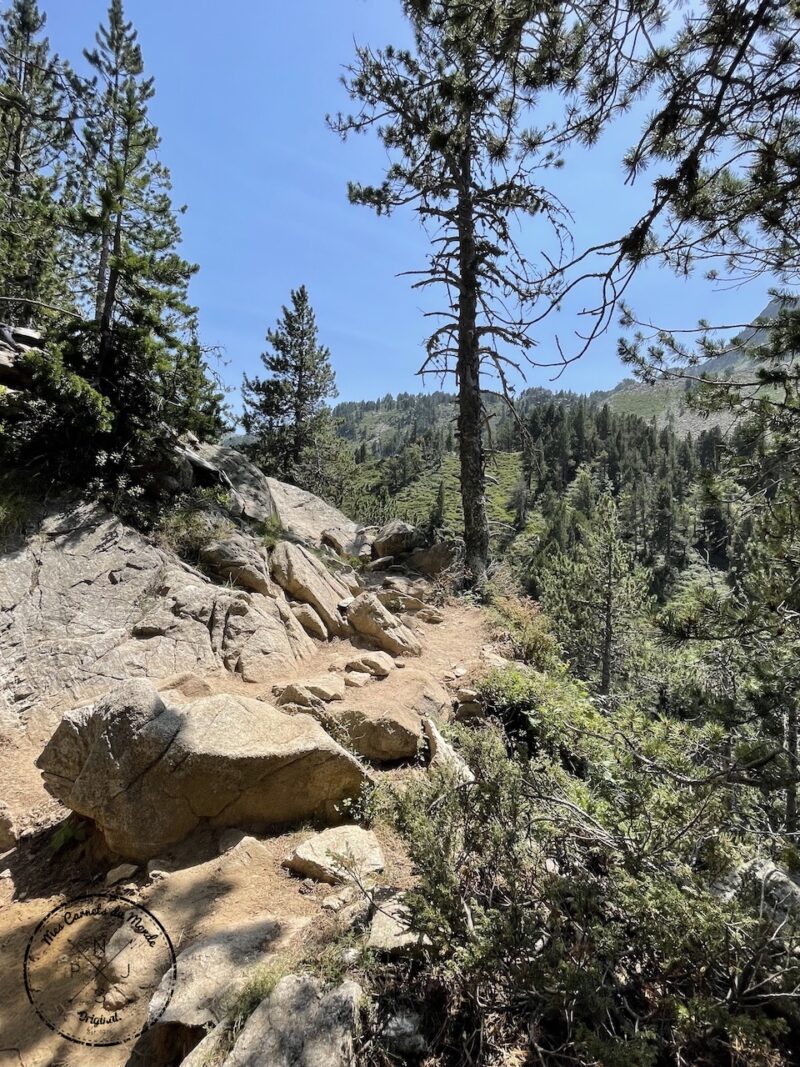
<point x="667" y="401"/>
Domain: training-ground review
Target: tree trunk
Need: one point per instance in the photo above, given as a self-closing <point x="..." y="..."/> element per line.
<point x="608" y="627"/>
<point x="791" y="785"/>
<point x="470" y="408"/>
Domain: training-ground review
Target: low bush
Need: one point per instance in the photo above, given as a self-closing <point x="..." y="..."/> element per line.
<point x="577" y="918"/>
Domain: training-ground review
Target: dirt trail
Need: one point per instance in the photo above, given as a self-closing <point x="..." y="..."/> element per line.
<point x="203" y="892"/>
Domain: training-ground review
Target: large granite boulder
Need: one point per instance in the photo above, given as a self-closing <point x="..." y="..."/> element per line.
<point x="305" y="578"/>
<point x="387" y="730"/>
<point x="149" y="774"/>
<point x="87" y="602"/>
<point x="268" y="500"/>
<point x="301" y="1024"/>
<point x="311" y="519"/>
<point x="396" y="538"/>
<point x="372" y="620"/>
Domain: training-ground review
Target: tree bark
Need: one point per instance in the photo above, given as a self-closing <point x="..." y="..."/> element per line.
<point x="791" y="785"/>
<point x="608" y="627"/>
<point x="470" y="407"/>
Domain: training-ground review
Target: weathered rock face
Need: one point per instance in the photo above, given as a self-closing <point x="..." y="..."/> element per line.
<point x="303" y="577"/>
<point x="149" y="774"/>
<point x="378" y="664"/>
<point x="238" y="558"/>
<point x="301" y="1025"/>
<point x="310" y="621"/>
<point x="339" y="854"/>
<point x="263" y="499"/>
<point x="8" y="836"/>
<point x="395" y="538"/>
<point x="87" y="602"/>
<point x="380" y="736"/>
<point x="371" y="619"/>
<point x="385" y="731"/>
<point x="308" y="517"/>
<point x="437" y="558"/>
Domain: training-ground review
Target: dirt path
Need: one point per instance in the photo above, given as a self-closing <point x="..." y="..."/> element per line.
<point x="203" y="893"/>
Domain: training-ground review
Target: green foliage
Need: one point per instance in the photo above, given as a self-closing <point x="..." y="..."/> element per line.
<point x="290" y="431"/>
<point x="597" y="600"/>
<point x="576" y="915"/>
<point x="520" y="625"/>
<point x="37" y="107"/>
<point x="190" y="522"/>
<point x="122" y="365"/>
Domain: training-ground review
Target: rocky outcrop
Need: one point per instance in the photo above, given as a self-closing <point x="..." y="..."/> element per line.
<point x="371" y="619"/>
<point x="8" y="835"/>
<point x="310" y="621"/>
<point x="148" y="774"/>
<point x="238" y="558"/>
<point x="396" y="538"/>
<point x="311" y="519"/>
<point x="87" y="602"/>
<point x="303" y="577"/>
<point x="301" y="1024"/>
<point x="339" y="854"/>
<point x="267" y="500"/>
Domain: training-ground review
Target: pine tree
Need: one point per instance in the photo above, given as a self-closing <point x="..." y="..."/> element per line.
<point x="137" y="278"/>
<point x="453" y="115"/>
<point x="36" y="113"/>
<point x="286" y="413"/>
<point x="129" y="364"/>
<point x="597" y="599"/>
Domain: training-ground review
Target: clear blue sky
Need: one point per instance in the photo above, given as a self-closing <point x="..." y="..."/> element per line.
<point x="242" y="89"/>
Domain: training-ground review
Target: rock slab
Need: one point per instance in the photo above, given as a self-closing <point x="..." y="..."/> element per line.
<point x="301" y="1025"/>
<point x="339" y="854"/>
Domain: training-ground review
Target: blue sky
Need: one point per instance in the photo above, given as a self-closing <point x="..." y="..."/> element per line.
<point x="242" y="90"/>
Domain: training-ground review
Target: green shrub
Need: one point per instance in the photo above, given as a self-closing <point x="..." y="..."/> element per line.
<point x="519" y="624"/>
<point x="191" y="522"/>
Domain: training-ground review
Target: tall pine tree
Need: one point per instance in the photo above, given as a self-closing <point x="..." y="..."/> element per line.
<point x="286" y="413"/>
<point x="454" y="114"/>
<point x="36" y="115"/>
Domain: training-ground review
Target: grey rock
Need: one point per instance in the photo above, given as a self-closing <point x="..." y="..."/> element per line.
<point x="123" y="873"/>
<point x="382" y="563"/>
<point x="442" y="754"/>
<point x="239" y="558"/>
<point x="434" y="560"/>
<point x="390" y="933"/>
<point x="338" y="854"/>
<point x="379" y="664"/>
<point x="305" y="578"/>
<point x="369" y="617"/>
<point x="396" y="538"/>
<point x="149" y="775"/>
<point x="403" y="1035"/>
<point x="301" y="1025"/>
<point x="310" y="621"/>
<point x="88" y="602"/>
